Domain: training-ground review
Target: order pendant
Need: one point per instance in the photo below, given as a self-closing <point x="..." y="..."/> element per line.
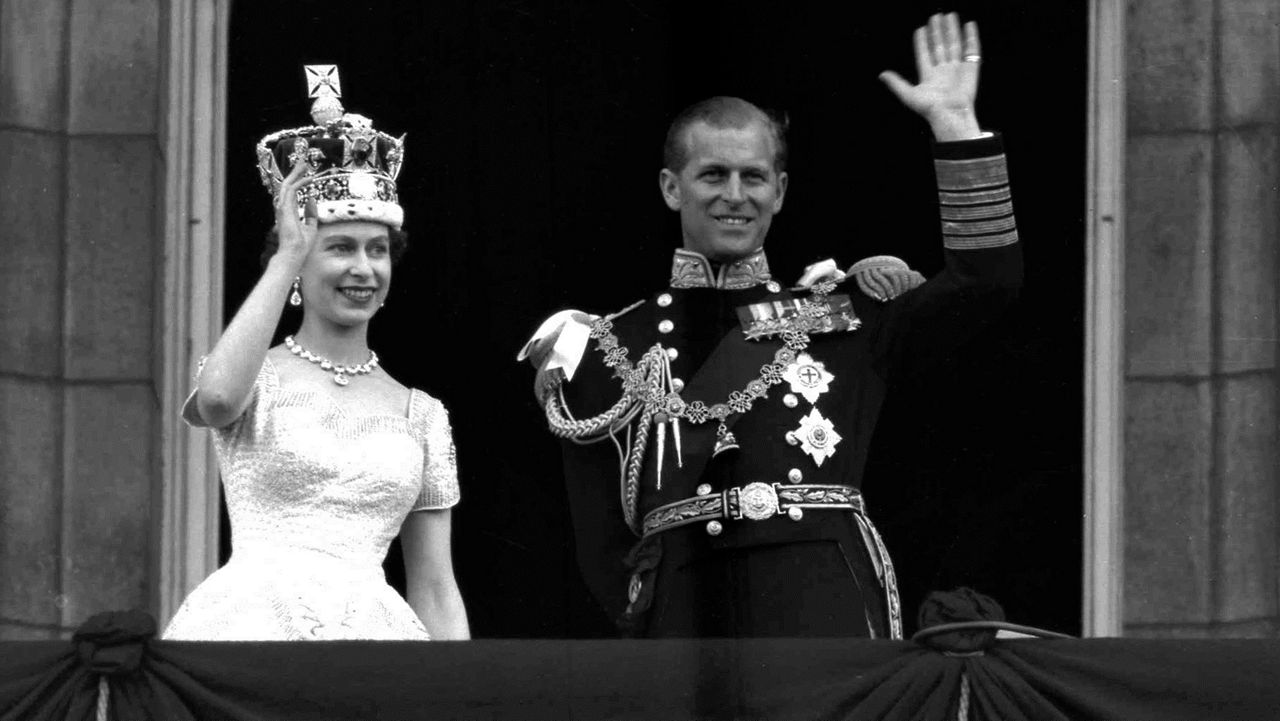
<point x="725" y="441"/>
<point x="341" y="379"/>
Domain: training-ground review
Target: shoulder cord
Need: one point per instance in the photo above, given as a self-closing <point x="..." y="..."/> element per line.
<point x="587" y="430"/>
<point x="592" y="430"/>
<point x="630" y="485"/>
<point x="644" y="402"/>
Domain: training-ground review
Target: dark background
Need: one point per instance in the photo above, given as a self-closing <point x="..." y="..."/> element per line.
<point x="530" y="185"/>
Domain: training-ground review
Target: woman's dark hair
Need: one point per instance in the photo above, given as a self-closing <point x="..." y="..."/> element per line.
<point x="398" y="238"/>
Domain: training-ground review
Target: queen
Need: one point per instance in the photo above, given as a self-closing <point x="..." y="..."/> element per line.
<point x="324" y="456"/>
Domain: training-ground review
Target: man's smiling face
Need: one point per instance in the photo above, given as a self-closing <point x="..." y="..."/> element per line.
<point x="727" y="192"/>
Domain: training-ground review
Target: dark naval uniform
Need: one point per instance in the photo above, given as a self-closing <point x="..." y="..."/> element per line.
<point x="716" y="433"/>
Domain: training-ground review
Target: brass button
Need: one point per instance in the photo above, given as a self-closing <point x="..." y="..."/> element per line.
<point x="795" y="513"/>
<point x="794" y="475"/>
<point x="773" y="286"/>
<point x="664" y="300"/>
<point x="666" y="326"/>
<point x="672" y="353"/>
<point x="792" y="439"/>
<point x="714" y="528"/>
<point x="790" y="400"/>
<point x="704" y="489"/>
<point x="677" y="384"/>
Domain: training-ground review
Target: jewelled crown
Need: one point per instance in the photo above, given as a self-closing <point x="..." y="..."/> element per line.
<point x="352" y="167"/>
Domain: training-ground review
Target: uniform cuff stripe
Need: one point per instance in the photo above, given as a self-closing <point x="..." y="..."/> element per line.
<point x="974" y="197"/>
<point x="999" y="225"/>
<point x="952" y="242"/>
<point x="966" y="174"/>
<point x="975" y="212"/>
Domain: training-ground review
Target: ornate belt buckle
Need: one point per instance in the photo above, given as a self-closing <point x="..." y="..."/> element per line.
<point x="758" y="501"/>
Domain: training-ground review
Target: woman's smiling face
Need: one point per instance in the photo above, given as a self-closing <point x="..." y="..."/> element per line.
<point x="348" y="273"/>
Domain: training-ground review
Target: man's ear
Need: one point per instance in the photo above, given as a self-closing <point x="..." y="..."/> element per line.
<point x="782" y="192"/>
<point x="669" y="184"/>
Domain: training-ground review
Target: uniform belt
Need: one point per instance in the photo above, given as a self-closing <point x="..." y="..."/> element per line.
<point x="755" y="502"/>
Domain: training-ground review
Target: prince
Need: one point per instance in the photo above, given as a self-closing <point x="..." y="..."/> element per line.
<point x="715" y="433"/>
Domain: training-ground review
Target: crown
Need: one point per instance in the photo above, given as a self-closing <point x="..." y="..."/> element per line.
<point x="352" y="168"/>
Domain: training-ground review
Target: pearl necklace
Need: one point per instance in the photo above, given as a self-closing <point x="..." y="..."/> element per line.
<point x="340" y="373"/>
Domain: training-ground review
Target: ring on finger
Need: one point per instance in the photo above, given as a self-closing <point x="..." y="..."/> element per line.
<point x="973" y="58"/>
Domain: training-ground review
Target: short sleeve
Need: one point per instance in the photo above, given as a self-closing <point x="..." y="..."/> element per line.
<point x="263" y="386"/>
<point x="439" y="464"/>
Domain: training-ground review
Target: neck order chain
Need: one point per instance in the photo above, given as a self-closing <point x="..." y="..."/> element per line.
<point x="341" y="374"/>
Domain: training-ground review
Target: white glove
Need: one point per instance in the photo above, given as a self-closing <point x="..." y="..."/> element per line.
<point x="559" y="343"/>
<point x="815" y="273"/>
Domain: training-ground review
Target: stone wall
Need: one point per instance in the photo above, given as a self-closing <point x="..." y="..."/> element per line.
<point x="1200" y="270"/>
<point x="80" y="128"/>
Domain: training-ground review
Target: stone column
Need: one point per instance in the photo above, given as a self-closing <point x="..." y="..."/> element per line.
<point x="1200" y="272"/>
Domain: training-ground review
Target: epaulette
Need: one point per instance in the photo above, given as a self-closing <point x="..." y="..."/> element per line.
<point x="878" y="261"/>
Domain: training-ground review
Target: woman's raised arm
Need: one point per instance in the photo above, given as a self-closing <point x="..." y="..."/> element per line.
<point x="224" y="386"/>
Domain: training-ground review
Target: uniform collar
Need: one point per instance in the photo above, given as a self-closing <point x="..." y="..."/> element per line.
<point x="694" y="270"/>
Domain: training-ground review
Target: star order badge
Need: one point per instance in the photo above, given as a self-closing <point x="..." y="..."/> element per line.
<point x="808" y="377"/>
<point x="818" y="436"/>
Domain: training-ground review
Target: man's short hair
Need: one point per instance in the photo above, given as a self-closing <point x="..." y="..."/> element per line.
<point x="722" y="112"/>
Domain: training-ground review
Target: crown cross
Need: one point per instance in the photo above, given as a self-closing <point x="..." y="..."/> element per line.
<point x="322" y="81"/>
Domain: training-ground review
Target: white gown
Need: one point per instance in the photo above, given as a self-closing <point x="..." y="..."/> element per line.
<point x="316" y="497"/>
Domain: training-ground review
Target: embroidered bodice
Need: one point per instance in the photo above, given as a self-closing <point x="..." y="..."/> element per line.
<point x="316" y="496"/>
<point x="300" y="472"/>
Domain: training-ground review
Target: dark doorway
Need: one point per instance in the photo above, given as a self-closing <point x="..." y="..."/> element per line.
<point x="534" y="134"/>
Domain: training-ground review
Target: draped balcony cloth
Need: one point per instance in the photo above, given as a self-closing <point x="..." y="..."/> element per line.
<point x="641" y="679"/>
